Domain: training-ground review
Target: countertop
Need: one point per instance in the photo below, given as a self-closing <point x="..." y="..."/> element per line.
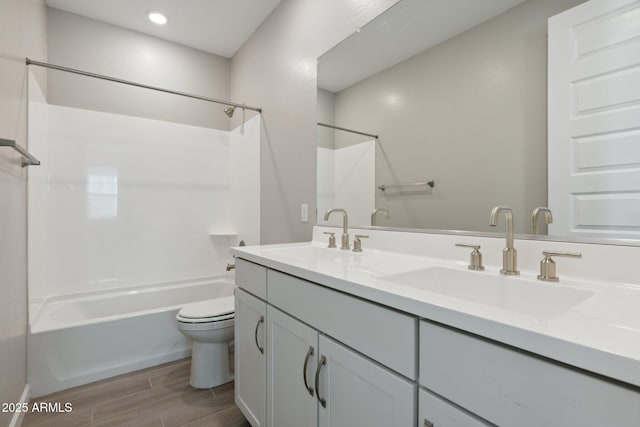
<point x="590" y="325"/>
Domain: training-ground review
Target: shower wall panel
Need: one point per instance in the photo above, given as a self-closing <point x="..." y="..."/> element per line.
<point x="128" y="201"/>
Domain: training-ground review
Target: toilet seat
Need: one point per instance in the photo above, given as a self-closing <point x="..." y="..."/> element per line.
<point x="208" y="311"/>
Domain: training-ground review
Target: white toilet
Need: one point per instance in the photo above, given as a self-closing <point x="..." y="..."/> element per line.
<point x="210" y="325"/>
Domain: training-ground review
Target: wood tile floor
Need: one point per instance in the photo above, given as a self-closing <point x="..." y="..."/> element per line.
<point x="155" y="397"/>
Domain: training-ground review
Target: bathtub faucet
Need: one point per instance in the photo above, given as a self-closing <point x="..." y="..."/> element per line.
<point x="230" y="266"/>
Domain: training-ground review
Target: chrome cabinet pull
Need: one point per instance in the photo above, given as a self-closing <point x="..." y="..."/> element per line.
<point x="255" y="335"/>
<point x="321" y="363"/>
<point x="304" y="370"/>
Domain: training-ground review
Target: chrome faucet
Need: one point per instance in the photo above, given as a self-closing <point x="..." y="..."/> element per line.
<point x="509" y="254"/>
<point x="548" y="218"/>
<point x="376" y="211"/>
<point x="345" y="230"/>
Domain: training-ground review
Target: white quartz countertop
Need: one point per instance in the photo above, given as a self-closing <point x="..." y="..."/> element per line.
<point x="590" y="325"/>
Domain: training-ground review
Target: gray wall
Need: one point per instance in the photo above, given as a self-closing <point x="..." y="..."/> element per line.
<point x="23" y="32"/>
<point x="86" y="44"/>
<point x="469" y="113"/>
<point x="326" y="103"/>
<point x="276" y="70"/>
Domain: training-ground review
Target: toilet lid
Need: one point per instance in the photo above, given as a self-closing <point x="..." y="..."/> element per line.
<point x="217" y="307"/>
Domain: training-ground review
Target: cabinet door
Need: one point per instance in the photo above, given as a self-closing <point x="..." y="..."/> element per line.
<point x="250" y="357"/>
<point x="292" y="352"/>
<point x="358" y="392"/>
<point x="435" y="412"/>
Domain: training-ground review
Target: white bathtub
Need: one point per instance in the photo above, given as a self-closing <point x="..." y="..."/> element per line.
<point x="81" y="338"/>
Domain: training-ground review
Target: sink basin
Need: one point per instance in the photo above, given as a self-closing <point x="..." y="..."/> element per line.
<point x="497" y="291"/>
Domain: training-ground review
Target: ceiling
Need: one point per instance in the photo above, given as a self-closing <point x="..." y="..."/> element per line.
<point x="216" y="26"/>
<point x="406" y="29"/>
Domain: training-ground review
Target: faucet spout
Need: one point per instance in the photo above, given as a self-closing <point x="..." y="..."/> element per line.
<point x="377" y="211"/>
<point x="548" y="218"/>
<point x="509" y="254"/>
<point x="345" y="226"/>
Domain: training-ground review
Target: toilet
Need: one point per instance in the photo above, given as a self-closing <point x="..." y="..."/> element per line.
<point x="210" y="325"/>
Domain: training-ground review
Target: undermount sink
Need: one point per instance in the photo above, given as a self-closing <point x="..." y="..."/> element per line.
<point x="373" y="262"/>
<point x="512" y="294"/>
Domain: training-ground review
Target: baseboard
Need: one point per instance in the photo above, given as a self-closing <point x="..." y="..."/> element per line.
<point x="16" y="420"/>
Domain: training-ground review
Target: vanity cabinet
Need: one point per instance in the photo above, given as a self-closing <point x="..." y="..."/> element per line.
<point x="435" y="412"/>
<point x="314" y="381"/>
<point x="360" y="392"/>
<point x="510" y="387"/>
<point x="331" y="360"/>
<point x="250" y="358"/>
<point x="292" y="353"/>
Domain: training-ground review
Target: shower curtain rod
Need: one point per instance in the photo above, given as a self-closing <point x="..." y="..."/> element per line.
<point x="347" y="130"/>
<point x="130" y="83"/>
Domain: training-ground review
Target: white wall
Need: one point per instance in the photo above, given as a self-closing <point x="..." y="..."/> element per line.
<point x="22" y="33"/>
<point x="326" y="102"/>
<point x="276" y="70"/>
<point x="89" y="45"/>
<point x="469" y="113"/>
<point x="128" y="201"/>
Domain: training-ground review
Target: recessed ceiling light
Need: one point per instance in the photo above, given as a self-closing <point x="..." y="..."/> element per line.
<point x="157" y="18"/>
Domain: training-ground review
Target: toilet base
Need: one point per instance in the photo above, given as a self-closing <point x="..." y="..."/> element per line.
<point x="210" y="365"/>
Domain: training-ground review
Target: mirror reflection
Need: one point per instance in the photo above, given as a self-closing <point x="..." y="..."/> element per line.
<point x="456" y="91"/>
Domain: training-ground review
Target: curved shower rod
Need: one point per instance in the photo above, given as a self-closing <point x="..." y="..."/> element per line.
<point x="130" y="83"/>
<point x="348" y="130"/>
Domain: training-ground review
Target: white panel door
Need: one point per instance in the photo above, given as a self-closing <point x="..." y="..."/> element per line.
<point x="594" y="119"/>
<point x="250" y="358"/>
<point x="358" y="392"/>
<point x="292" y="351"/>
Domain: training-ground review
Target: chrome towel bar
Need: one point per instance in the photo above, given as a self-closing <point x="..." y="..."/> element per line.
<point x="27" y="159"/>
<point x="413" y="186"/>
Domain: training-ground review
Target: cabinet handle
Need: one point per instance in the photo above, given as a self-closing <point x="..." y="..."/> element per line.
<point x="304" y="370"/>
<point x="255" y="335"/>
<point x="321" y="363"/>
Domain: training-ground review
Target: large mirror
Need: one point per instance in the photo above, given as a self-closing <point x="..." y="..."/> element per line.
<point x="456" y="93"/>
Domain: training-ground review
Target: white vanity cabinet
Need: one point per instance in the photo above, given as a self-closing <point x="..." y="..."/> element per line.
<point x="332" y="360"/>
<point x="250" y="357"/>
<point x="292" y="351"/>
<point x="314" y="381"/>
<point x="360" y="392"/>
<point x="436" y="412"/>
<point x="509" y="387"/>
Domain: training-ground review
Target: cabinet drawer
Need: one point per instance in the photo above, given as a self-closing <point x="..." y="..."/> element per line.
<point x="510" y="387"/>
<point x="435" y="412"/>
<point x="385" y="335"/>
<point x="251" y="277"/>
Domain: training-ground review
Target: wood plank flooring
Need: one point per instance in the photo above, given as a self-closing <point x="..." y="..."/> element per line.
<point x="155" y="397"/>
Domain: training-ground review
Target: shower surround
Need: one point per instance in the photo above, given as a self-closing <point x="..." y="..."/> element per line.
<point x="121" y="202"/>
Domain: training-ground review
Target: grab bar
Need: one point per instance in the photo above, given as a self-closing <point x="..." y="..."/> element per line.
<point x="27" y="159"/>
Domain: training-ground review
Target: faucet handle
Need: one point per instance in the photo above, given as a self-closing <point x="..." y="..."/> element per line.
<point x="332" y="239"/>
<point x="475" y="258"/>
<point x="357" y="244"/>
<point x="548" y="265"/>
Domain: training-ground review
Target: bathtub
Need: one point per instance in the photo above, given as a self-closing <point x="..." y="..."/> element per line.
<point x="80" y="338"/>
